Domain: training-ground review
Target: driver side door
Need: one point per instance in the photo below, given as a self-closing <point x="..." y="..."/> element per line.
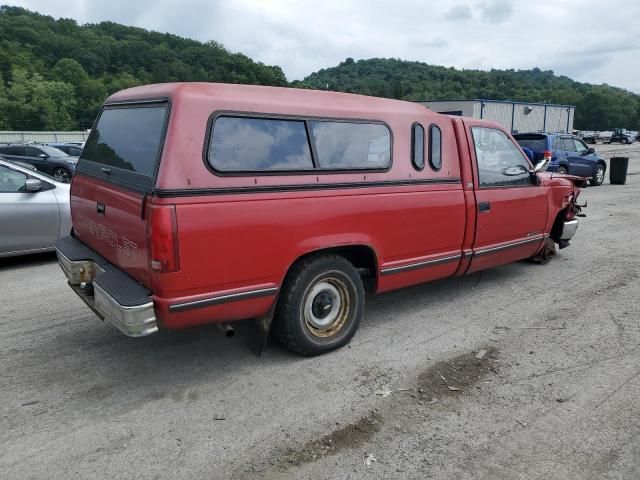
<point x="511" y="211"/>
<point x="30" y="220"/>
<point x="37" y="158"/>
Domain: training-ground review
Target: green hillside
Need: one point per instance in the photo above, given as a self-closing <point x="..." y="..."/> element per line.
<point x="55" y="74"/>
<point x="599" y="107"/>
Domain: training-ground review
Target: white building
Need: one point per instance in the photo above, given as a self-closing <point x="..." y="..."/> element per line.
<point x="515" y="116"/>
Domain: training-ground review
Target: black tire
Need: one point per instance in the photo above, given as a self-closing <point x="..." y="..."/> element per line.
<point x="62" y="174"/>
<point x="546" y="254"/>
<point x="562" y="169"/>
<point x="598" y="177"/>
<point x="316" y="289"/>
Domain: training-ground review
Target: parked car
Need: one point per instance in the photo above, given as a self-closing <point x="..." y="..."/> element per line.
<point x="275" y="203"/>
<point x="71" y="149"/>
<point x="34" y="210"/>
<point x="620" y="135"/>
<point x="46" y="159"/>
<point x="567" y="154"/>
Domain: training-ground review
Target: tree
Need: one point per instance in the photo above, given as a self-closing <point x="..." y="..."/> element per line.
<point x="599" y="107"/>
<point x="70" y="71"/>
<point x="4" y="118"/>
<point x="42" y="56"/>
<point x="34" y="103"/>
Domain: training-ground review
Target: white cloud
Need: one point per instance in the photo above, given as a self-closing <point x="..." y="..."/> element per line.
<point x="589" y="40"/>
<point x="459" y="12"/>
<point x="497" y="11"/>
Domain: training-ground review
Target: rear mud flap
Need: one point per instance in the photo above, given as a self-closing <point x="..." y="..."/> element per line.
<point x="259" y="331"/>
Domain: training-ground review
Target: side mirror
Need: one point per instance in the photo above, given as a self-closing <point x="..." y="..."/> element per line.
<point x="33" y="185"/>
<point x="591" y="150"/>
<point x="43" y="155"/>
<point x="541" y="165"/>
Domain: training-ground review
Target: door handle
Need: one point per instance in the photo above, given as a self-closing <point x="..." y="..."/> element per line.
<point x="484" y="207"/>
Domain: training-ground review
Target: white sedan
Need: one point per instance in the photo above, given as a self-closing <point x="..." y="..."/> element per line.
<point x="34" y="210"/>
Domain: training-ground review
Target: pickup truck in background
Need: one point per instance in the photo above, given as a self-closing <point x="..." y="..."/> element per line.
<point x="621" y="135"/>
<point x="200" y="203"/>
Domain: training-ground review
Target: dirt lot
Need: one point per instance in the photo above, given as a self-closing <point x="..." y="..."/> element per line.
<point x="520" y="372"/>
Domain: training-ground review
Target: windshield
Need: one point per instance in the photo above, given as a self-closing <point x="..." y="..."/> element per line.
<point x="35" y="173"/>
<point x="51" y="151"/>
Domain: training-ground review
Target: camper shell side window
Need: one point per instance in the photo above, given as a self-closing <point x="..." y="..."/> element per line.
<point x="253" y="144"/>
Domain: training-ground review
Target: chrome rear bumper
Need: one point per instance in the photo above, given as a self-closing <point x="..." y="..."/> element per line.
<point x="84" y="277"/>
<point x="136" y="321"/>
<point x="569" y="229"/>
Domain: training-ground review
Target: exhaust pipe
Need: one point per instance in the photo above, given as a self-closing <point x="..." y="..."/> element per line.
<point x="226" y="329"/>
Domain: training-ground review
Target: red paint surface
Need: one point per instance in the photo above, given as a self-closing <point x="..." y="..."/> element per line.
<point x="120" y="234"/>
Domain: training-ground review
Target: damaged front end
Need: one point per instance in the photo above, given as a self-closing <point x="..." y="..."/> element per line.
<point x="566" y="223"/>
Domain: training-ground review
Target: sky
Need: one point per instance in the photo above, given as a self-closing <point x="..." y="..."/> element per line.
<point x="593" y="41"/>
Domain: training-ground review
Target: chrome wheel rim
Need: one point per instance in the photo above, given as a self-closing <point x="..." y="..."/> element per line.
<point x="326" y="307"/>
<point x="600" y="175"/>
<point x="61" y="175"/>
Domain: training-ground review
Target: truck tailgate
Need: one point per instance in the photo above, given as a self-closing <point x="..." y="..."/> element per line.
<point x="109" y="219"/>
<point x="116" y="168"/>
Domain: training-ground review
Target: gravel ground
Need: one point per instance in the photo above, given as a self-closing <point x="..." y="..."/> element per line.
<point x="519" y="372"/>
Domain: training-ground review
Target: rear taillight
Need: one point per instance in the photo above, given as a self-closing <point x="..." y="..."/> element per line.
<point x="162" y="234"/>
<point x="548" y="154"/>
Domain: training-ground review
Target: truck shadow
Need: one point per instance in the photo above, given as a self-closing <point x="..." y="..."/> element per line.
<point x="101" y="368"/>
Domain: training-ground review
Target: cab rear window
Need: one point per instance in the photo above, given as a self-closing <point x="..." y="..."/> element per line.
<point x="128" y="139"/>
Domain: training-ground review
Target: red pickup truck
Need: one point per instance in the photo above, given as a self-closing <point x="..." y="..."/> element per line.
<point x="200" y="203"/>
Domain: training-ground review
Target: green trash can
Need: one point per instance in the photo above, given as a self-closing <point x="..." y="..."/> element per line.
<point x="618" y="170"/>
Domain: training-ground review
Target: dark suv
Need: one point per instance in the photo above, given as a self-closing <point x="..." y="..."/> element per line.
<point x="71" y="149"/>
<point x="568" y="154"/>
<point x="46" y="159"/>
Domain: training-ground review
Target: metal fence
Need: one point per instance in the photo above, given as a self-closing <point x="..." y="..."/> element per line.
<point x="42" y="137"/>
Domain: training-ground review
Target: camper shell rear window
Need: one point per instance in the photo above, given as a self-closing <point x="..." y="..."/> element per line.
<point x="125" y="144"/>
<point x="242" y="144"/>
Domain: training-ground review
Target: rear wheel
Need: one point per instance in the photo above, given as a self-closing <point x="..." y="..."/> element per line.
<point x="62" y="174"/>
<point x="562" y="170"/>
<point x="598" y="177"/>
<point x="320" y="305"/>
